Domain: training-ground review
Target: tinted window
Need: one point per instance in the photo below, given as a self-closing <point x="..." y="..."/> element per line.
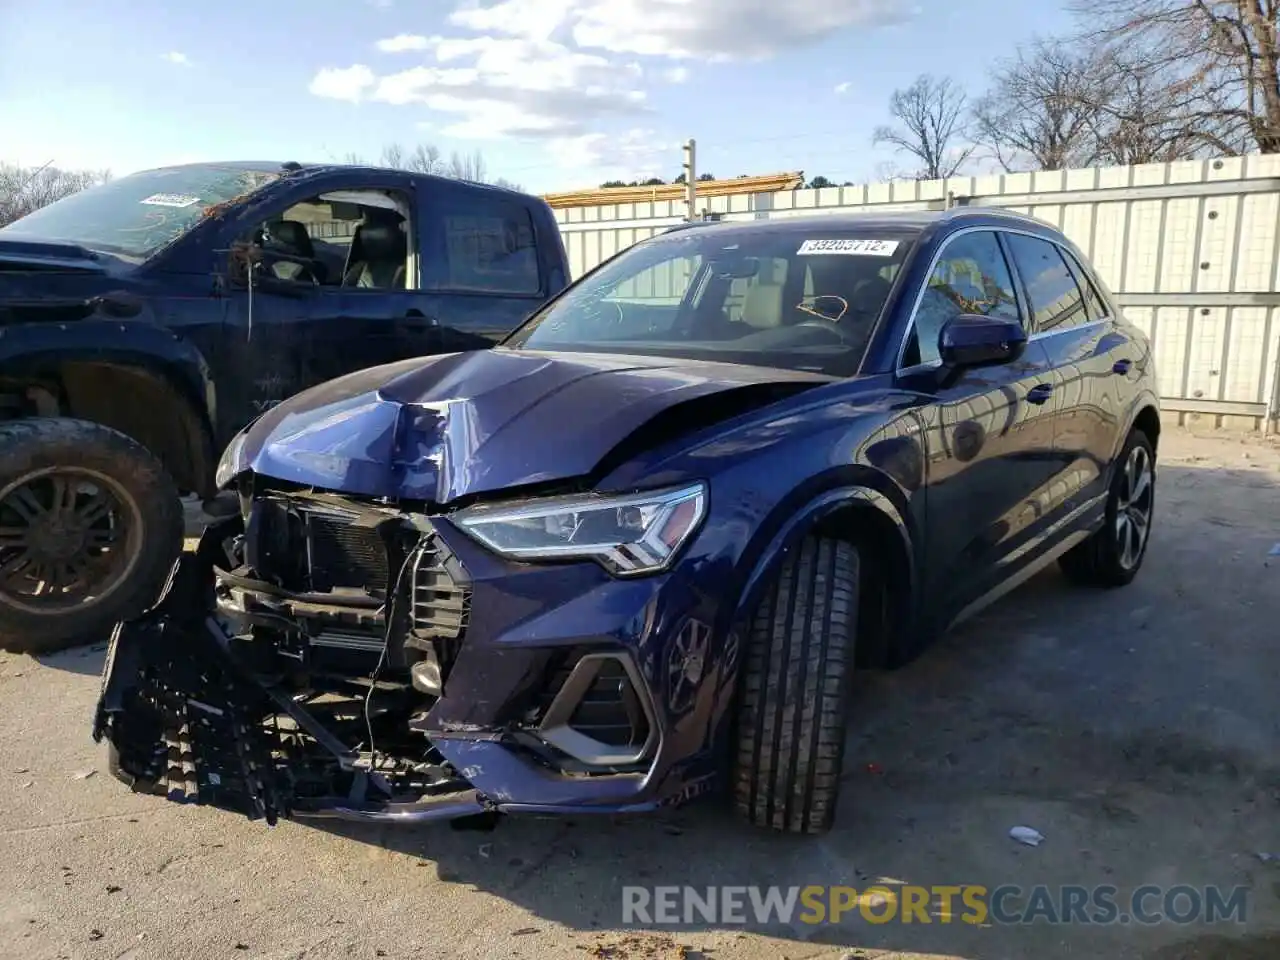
<point x="1096" y="308"/>
<point x="1056" y="301"/>
<point x="489" y="246"/>
<point x="971" y="276"/>
<point x="794" y="299"/>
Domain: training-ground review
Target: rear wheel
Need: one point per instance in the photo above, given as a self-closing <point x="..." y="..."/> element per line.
<point x="90" y="524"/>
<point x="1113" y="556"/>
<point x="799" y="658"/>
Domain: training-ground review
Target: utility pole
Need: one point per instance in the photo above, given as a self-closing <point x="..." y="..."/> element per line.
<point x="690" y="180"/>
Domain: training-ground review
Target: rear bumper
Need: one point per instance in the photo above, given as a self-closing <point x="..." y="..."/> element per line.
<point x="190" y="720"/>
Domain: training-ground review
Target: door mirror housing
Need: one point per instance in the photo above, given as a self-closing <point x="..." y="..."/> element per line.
<point x="973" y="340"/>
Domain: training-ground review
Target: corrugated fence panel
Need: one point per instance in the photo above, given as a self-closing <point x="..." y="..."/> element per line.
<point x="1192" y="250"/>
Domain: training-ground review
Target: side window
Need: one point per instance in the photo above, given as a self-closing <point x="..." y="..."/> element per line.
<point x="489" y="247"/>
<point x="1095" y="306"/>
<point x="971" y="276"/>
<point x="1056" y="300"/>
<point x="354" y="239"/>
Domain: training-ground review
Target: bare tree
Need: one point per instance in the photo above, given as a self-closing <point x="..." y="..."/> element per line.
<point x="1219" y="58"/>
<point x="426" y="158"/>
<point x="1044" y="108"/>
<point x="930" y="115"/>
<point x="24" y="190"/>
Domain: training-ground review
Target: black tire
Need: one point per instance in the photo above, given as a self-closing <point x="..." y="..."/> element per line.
<point x="1109" y="558"/>
<point x="794" y="702"/>
<point x="152" y="528"/>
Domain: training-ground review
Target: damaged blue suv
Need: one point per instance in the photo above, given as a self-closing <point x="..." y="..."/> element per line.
<point x="636" y="551"/>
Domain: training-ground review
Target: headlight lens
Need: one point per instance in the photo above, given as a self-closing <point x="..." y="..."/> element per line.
<point x="229" y="465"/>
<point x="627" y="535"/>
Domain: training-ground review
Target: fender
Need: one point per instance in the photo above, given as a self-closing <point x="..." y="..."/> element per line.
<point x="863" y="496"/>
<point x="28" y="348"/>
<point x="145" y="364"/>
<point x="1141" y="402"/>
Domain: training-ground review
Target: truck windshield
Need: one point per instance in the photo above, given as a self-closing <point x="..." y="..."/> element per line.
<point x="136" y="215"/>
<point x="798" y="299"/>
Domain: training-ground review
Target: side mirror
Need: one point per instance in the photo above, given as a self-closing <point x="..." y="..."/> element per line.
<point x="972" y="340"/>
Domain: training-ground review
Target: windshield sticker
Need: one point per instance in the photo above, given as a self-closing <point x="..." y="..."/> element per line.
<point x="170" y="200"/>
<point x="849" y="248"/>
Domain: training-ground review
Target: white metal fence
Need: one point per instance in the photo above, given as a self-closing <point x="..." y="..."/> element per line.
<point x="1190" y="249"/>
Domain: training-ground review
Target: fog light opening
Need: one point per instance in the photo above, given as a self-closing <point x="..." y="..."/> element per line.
<point x="602" y="716"/>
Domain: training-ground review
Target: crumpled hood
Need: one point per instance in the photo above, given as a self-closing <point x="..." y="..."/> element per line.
<point x="445" y="427"/>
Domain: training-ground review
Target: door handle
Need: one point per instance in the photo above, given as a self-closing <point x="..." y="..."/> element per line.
<point x="1121" y="366"/>
<point x="417" y="320"/>
<point x="1039" y="393"/>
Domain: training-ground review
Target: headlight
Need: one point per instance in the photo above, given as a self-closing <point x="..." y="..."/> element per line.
<point x="229" y="465"/>
<point x="627" y="535"/>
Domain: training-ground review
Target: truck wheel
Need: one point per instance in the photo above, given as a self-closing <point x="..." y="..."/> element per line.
<point x="799" y="658"/>
<point x="90" y="525"/>
<point x="1113" y="556"/>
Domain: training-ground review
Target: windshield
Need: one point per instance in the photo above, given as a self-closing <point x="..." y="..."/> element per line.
<point x="799" y="300"/>
<point x="137" y="215"/>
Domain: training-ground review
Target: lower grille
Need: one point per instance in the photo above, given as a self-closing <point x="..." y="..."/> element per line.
<point x="610" y="710"/>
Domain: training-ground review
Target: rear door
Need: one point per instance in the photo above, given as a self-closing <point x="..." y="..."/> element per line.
<point x="1070" y="323"/>
<point x="989" y="434"/>
<point x="482" y="275"/>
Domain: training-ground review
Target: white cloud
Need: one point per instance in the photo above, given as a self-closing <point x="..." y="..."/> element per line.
<point x="843" y="87"/>
<point x="173" y="56"/>
<point x="403" y="43"/>
<point x="349" y="83"/>
<point x="637" y="154"/>
<point x="563" y="71"/>
<point x="537" y="19"/>
<point x="682" y="29"/>
<point x="500" y="87"/>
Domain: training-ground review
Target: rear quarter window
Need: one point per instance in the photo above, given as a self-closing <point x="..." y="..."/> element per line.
<point x="488" y="245"/>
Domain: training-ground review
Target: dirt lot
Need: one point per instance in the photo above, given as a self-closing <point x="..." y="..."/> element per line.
<point x="1138" y="730"/>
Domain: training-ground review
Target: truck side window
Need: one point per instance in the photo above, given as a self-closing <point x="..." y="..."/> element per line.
<point x="352" y="239"/>
<point x="489" y="247"/>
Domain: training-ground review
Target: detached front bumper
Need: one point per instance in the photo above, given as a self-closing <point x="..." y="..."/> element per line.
<point x="189" y="716"/>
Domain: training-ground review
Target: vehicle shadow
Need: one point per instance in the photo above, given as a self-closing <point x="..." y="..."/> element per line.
<point x="1078" y="712"/>
<point x="86" y="660"/>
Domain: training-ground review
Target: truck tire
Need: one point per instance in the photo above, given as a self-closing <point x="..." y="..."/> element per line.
<point x="90" y="525"/>
<point x="798" y="662"/>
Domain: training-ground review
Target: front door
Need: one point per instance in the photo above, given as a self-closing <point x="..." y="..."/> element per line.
<point x="336" y="290"/>
<point x="989" y="437"/>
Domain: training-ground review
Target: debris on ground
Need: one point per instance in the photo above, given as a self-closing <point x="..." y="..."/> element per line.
<point x="486" y="850"/>
<point x="1027" y="835"/>
<point x="85" y="774"/>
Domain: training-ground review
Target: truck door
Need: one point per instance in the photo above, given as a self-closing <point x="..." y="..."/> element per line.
<point x="335" y="290"/>
<point x="482" y="275"/>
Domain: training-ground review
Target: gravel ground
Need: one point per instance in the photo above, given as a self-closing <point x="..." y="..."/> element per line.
<point x="1138" y="730"/>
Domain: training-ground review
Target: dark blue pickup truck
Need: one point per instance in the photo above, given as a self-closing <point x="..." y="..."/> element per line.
<point x="145" y="321"/>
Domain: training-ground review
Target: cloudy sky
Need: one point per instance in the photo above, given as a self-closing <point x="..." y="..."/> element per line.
<point x="558" y="94"/>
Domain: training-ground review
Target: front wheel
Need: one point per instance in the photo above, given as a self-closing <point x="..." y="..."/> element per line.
<point x="90" y="525"/>
<point x="794" y="702"/>
<point x="1113" y="556"/>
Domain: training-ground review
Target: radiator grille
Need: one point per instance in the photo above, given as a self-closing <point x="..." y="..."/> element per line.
<point x="313" y="547"/>
<point x="441" y="601"/>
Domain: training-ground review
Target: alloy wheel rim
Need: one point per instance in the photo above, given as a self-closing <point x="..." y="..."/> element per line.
<point x="68" y="537"/>
<point x="1133" y="507"/>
